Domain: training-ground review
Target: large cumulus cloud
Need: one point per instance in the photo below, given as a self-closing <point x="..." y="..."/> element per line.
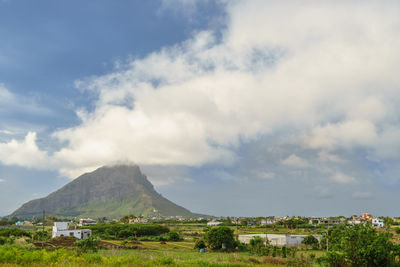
<point x="326" y="71"/>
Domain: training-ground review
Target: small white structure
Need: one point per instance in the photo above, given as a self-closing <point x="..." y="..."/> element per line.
<point x="61" y="229"/>
<point x="213" y="223"/>
<point x="87" y="221"/>
<point x="277" y="240"/>
<point x="378" y="223"/>
<point x="138" y="220"/>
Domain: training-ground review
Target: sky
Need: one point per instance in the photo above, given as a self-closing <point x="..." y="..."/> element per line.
<point x="231" y="108"/>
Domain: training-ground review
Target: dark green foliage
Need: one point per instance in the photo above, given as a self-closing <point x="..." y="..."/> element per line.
<point x="241" y="246"/>
<point x="2" y="241"/>
<point x="174" y="236"/>
<point x="360" y="245"/>
<point x="312" y="241"/>
<point x="89" y="244"/>
<point x="274" y="251"/>
<point x="256" y="246"/>
<point x="41" y="236"/>
<point x="217" y="236"/>
<point x="397" y="230"/>
<point x="123" y="231"/>
<point x="7" y="232"/>
<point x="199" y="244"/>
<point x="284" y="252"/>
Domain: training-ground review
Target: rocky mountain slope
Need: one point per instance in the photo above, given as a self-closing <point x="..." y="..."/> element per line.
<point x="106" y="192"/>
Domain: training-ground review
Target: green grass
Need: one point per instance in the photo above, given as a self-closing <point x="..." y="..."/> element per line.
<point x="17" y="256"/>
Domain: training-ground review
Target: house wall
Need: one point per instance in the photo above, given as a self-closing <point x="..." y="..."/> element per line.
<point x="277" y="239"/>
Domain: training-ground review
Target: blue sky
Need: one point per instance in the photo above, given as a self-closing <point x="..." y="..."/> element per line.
<point x="240" y="108"/>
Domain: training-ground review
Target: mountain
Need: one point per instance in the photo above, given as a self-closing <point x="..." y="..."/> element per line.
<point x="106" y="192"/>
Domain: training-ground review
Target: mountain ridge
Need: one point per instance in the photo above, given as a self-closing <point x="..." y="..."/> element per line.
<point x="109" y="191"/>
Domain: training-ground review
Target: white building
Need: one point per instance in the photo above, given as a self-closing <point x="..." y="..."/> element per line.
<point x="213" y="223"/>
<point x="61" y="229"/>
<point x="378" y="223"/>
<point x="277" y="240"/>
<point x="87" y="221"/>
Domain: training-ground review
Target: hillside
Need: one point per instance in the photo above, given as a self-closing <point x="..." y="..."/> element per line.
<point x="106" y="192"/>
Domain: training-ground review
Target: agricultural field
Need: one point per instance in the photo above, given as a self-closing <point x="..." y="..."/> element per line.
<point x="174" y="245"/>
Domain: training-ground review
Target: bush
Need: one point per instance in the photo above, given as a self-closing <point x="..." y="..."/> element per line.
<point x="7" y="232"/>
<point x="174" y="236"/>
<point x="89" y="244"/>
<point x="41" y="236"/>
<point x="241" y="246"/>
<point x="312" y="241"/>
<point x="361" y="245"/>
<point x="123" y="231"/>
<point x="218" y="237"/>
<point x="256" y="246"/>
<point x="199" y="244"/>
<point x="397" y="230"/>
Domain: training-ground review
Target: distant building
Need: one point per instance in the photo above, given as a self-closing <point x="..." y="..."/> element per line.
<point x="61" y="229"/>
<point x="87" y="221"/>
<point x="277" y="239"/>
<point x="213" y="223"/>
<point x="138" y="220"/>
<point x="19" y="223"/>
<point x="378" y="223"/>
<point x="357" y="220"/>
<point x="366" y="216"/>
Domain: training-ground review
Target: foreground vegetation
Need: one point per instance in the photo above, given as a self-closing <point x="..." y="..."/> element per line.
<point x="179" y="245"/>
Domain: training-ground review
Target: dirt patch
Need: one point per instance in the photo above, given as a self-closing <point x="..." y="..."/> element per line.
<point x="58" y="242"/>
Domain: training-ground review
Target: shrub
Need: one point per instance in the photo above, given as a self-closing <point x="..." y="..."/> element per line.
<point x="241" y="246"/>
<point x="89" y="244"/>
<point x="218" y="237"/>
<point x="361" y="245"/>
<point x="199" y="244"/>
<point x="397" y="230"/>
<point x="7" y="232"/>
<point x="124" y="231"/>
<point x="41" y="236"/>
<point x="256" y="246"/>
<point x="311" y="240"/>
<point x="174" y="236"/>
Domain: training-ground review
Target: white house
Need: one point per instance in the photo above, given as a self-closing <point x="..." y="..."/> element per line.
<point x="87" y="221"/>
<point x="378" y="223"/>
<point x="276" y="239"/>
<point x="61" y="229"/>
<point x="213" y="223"/>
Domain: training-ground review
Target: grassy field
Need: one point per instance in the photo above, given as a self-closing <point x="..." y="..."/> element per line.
<point x="150" y="254"/>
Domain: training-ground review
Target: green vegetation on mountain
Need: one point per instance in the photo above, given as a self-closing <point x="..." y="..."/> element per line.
<point x="106" y="192"/>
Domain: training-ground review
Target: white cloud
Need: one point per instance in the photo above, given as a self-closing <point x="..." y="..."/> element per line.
<point x="2" y="180"/>
<point x="295" y="161"/>
<point x="325" y="70"/>
<point x="342" y="178"/>
<point x="24" y="153"/>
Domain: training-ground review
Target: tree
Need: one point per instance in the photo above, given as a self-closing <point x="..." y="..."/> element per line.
<point x="361" y="245"/>
<point x="173" y="236"/>
<point x="199" y="244"/>
<point x="219" y="237"/>
<point x="311" y="241"/>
